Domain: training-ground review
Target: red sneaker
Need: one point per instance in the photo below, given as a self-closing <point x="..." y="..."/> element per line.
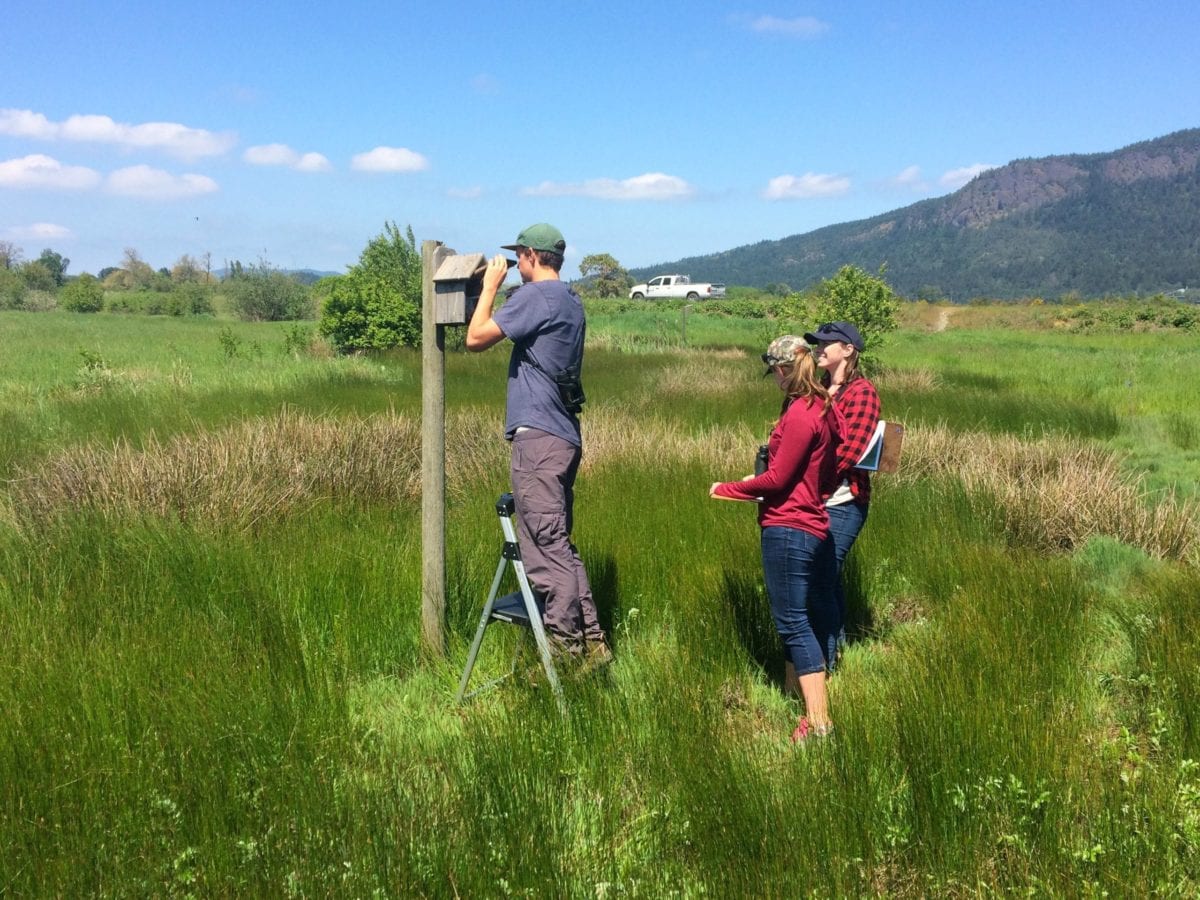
<point x="801" y="732"/>
<point x="804" y="731"/>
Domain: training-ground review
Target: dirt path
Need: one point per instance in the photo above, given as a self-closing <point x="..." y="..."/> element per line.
<point x="943" y="319"/>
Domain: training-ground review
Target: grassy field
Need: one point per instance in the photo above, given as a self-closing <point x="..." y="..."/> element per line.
<point x="212" y="682"/>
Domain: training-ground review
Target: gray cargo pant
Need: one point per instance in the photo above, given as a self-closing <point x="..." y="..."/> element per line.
<point x="543" y="484"/>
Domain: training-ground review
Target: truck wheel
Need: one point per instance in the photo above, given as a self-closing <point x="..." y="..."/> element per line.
<point x="639" y="296"/>
<point x="692" y="295"/>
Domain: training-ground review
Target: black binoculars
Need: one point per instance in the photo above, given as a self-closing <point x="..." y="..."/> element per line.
<point x="760" y="459"/>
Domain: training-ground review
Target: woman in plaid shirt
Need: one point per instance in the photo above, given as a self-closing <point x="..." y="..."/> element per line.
<point x="838" y="347"/>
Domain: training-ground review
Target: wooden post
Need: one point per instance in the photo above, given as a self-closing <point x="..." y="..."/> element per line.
<point x="433" y="458"/>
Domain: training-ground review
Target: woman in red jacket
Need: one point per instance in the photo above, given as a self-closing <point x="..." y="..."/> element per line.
<point x="838" y="346"/>
<point x="798" y="564"/>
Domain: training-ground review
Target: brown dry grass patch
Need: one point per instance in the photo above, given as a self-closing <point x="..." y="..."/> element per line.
<point x="237" y="476"/>
<point x="1055" y="492"/>
<point x="907" y="381"/>
<point x="614" y="436"/>
<point x="695" y="377"/>
<point x="1052" y="493"/>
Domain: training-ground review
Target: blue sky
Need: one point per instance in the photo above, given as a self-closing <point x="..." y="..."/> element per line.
<point x="651" y="131"/>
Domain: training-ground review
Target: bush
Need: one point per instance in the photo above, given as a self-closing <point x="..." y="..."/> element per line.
<point x="194" y="299"/>
<point x="865" y="300"/>
<point x="377" y="304"/>
<point x="364" y="312"/>
<point x="38" y="277"/>
<point x="83" y="295"/>
<point x="12" y="289"/>
<point x="264" y="294"/>
<point x="39" y="301"/>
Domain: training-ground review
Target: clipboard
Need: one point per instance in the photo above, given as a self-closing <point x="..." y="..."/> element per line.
<point x="883" y="452"/>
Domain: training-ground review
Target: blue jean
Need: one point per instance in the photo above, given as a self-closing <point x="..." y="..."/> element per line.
<point x="846" y="520"/>
<point x="799" y="571"/>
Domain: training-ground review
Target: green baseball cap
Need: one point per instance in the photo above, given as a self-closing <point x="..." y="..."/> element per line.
<point x="539" y="237"/>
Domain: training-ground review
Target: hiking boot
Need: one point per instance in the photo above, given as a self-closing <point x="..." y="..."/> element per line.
<point x="598" y="651"/>
<point x="596" y="655"/>
<point x="566" y="655"/>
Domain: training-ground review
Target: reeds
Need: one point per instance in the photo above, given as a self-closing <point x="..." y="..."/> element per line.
<point x="1054" y="492"/>
<point x="273" y="466"/>
<point x="236" y="477"/>
<point x="1051" y="492"/>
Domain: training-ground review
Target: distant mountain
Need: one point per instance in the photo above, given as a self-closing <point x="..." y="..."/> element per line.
<point x="1096" y="224"/>
<point x="308" y="276"/>
<point x="304" y="276"/>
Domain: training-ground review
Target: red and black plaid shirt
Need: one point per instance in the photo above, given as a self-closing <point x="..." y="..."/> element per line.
<point x="858" y="404"/>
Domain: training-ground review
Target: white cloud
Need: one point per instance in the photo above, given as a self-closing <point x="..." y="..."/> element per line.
<point x="283" y="155"/>
<point x="313" y="162"/>
<point x="155" y="184"/>
<point x="389" y="159"/>
<point x="45" y="172"/>
<point x="799" y="27"/>
<point x="39" y="231"/>
<point x="470" y="193"/>
<point x="25" y="123"/>
<point x="651" y="186"/>
<point x="806" y="186"/>
<point x="910" y="180"/>
<point x="169" y="137"/>
<point x="956" y="178"/>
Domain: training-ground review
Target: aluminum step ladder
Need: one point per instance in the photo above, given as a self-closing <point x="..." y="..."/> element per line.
<point x="519" y="608"/>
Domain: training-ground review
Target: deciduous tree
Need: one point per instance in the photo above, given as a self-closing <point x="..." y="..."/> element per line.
<point x="134" y="274"/>
<point x="56" y="264"/>
<point x="865" y="300"/>
<point x="10" y="255"/>
<point x="377" y="304"/>
<point x="610" y="277"/>
<point x="37" y="276"/>
<point x="264" y="294"/>
<point x="186" y="270"/>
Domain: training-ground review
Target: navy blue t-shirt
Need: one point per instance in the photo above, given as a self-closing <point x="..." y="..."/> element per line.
<point x="544" y="320"/>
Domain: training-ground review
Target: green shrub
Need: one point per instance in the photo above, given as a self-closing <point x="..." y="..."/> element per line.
<point x="12" y="289"/>
<point x="865" y="300"/>
<point x="264" y="294"/>
<point x="192" y="299"/>
<point x="377" y="304"/>
<point x="297" y="340"/>
<point x="83" y="295"/>
<point x="39" y="301"/>
<point x="365" y="312"/>
<point x="38" y="277"/>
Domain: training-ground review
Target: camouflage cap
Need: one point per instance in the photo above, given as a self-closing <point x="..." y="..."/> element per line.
<point x="783" y="351"/>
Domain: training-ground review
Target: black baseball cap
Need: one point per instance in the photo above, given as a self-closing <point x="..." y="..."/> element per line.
<point x="837" y="331"/>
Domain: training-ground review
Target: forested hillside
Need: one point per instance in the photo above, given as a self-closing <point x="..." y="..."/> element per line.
<point x="1097" y="224"/>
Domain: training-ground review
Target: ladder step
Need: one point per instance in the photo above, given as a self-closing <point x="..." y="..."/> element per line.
<point x="511" y="608"/>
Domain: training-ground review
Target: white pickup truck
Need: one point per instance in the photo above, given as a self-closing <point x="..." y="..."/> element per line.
<point x="676" y="286"/>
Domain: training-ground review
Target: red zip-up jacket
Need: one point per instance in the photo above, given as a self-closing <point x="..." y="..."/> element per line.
<point x="800" y="467"/>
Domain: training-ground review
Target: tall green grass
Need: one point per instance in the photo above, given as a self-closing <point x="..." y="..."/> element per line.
<point x="205" y="706"/>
